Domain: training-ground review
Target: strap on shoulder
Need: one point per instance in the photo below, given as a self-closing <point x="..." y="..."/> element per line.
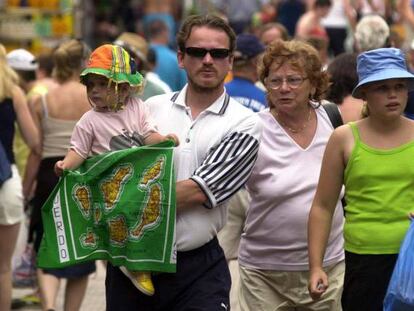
<point x="355" y="132"/>
<point x="333" y="113"/>
<point x="44" y="105"/>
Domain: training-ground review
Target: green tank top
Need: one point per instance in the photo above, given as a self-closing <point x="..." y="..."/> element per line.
<point x="379" y="194"/>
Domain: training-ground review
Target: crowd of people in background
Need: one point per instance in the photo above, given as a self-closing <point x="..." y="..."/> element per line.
<point x="244" y="86"/>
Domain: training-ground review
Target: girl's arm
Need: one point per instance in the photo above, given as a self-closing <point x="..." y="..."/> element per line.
<point x="323" y="208"/>
<point x="33" y="160"/>
<point x="71" y="161"/>
<point x="26" y="124"/>
<point x="406" y="11"/>
<point x="155" y="138"/>
<point x="301" y="30"/>
<point x="350" y="13"/>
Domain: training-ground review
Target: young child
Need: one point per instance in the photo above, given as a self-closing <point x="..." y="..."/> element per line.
<point x="117" y="120"/>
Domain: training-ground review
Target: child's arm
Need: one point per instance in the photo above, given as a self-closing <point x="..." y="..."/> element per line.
<point x="71" y="161"/>
<point x="155" y="138"/>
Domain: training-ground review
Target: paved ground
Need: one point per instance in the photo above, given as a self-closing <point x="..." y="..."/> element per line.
<point x="94" y="299"/>
<point x="95" y="295"/>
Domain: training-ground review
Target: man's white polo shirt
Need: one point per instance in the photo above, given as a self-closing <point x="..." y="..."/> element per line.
<point x="217" y="150"/>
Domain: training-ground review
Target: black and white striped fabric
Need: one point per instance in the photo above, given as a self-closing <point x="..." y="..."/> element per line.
<point x="227" y="167"/>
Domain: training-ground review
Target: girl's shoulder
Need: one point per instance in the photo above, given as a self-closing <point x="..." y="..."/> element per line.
<point x="409" y="126"/>
<point x="134" y="100"/>
<point x="18" y="97"/>
<point x="133" y="103"/>
<point x="343" y="136"/>
<point x="17" y="91"/>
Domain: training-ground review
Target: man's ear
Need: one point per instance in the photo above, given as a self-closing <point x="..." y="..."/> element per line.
<point x="231" y="60"/>
<point x="180" y="59"/>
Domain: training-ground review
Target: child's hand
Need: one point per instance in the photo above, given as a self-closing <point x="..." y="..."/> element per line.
<point x="174" y="138"/>
<point x="59" y="167"/>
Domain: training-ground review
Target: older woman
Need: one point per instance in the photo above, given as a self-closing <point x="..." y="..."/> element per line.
<point x="273" y="253"/>
<point x="373" y="157"/>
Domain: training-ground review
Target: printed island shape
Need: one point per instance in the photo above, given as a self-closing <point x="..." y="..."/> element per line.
<point x="89" y="239"/>
<point x="153" y="173"/>
<point x="111" y="189"/>
<point x="83" y="197"/>
<point x="151" y="214"/>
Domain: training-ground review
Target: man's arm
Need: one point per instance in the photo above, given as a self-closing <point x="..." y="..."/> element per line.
<point x="188" y="194"/>
<point x="225" y="169"/>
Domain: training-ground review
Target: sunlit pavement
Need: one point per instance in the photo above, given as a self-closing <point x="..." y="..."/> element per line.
<point x="94" y="298"/>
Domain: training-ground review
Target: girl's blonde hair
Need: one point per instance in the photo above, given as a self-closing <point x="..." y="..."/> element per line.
<point x="8" y="77"/>
<point x="69" y="59"/>
<point x="364" y="110"/>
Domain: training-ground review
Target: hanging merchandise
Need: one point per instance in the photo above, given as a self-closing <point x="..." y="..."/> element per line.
<point x="36" y="25"/>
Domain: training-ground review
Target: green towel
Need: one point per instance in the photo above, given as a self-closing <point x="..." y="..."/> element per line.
<point x="118" y="206"/>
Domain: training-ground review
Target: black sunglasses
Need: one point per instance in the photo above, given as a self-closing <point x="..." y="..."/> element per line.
<point x="201" y="52"/>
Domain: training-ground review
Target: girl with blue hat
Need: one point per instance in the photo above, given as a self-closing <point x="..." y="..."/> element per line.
<point x="373" y="159"/>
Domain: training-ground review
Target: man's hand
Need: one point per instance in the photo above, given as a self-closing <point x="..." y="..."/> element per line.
<point x="189" y="194"/>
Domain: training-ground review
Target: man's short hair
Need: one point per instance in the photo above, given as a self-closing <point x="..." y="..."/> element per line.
<point x="372" y="32"/>
<point x="210" y="21"/>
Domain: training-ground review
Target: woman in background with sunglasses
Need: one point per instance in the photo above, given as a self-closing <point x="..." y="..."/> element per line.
<point x="273" y="253"/>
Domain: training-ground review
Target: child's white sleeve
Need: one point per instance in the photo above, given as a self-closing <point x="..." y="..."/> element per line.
<point x="146" y="121"/>
<point x="81" y="141"/>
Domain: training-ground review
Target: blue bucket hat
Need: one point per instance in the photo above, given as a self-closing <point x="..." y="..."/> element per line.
<point x="381" y="64"/>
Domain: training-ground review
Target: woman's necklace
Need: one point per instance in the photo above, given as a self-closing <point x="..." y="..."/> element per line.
<point x="292" y="130"/>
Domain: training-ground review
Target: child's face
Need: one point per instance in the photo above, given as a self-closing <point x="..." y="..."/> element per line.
<point x="102" y="96"/>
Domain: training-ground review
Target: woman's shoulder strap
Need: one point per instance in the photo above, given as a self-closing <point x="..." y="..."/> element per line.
<point x="333" y="113"/>
<point x="44" y="105"/>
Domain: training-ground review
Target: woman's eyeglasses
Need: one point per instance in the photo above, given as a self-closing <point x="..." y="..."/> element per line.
<point x="201" y="52"/>
<point x="276" y="83"/>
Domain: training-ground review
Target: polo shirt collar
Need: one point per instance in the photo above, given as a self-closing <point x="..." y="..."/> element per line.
<point x="218" y="107"/>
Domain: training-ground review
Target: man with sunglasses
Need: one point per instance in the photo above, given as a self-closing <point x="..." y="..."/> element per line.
<point x="219" y="140"/>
